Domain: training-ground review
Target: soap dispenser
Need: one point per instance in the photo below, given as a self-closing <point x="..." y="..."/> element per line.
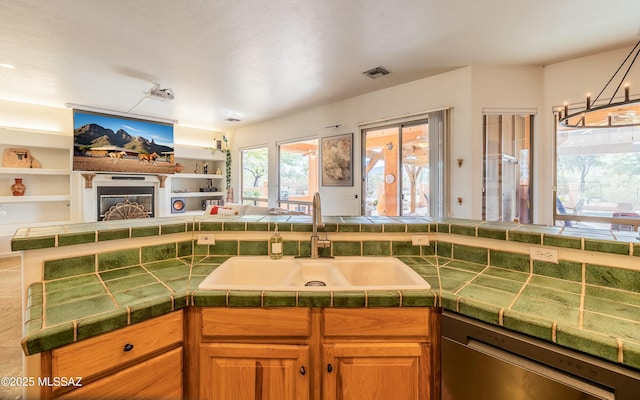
<point x="275" y="245"/>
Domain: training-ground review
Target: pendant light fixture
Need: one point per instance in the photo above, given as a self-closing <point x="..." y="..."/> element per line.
<point x="623" y="113"/>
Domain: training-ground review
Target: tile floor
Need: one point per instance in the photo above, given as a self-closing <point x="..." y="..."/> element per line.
<point x="10" y="325"/>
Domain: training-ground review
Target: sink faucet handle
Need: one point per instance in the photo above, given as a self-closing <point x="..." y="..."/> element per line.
<point x="324" y="243"/>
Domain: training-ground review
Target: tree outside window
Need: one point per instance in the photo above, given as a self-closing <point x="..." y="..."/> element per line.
<point x="298" y="174"/>
<point x="255" y="182"/>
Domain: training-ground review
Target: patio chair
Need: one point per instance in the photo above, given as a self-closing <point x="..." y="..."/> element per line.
<point x="624" y="227"/>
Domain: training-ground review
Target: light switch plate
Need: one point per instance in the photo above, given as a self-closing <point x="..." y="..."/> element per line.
<point x="420" y="240"/>
<point x="544" y="254"/>
<point x="206" y="238"/>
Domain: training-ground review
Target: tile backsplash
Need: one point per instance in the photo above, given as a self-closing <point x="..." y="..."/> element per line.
<point x="601" y="258"/>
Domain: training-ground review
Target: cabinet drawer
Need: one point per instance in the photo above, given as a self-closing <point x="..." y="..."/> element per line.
<point x="376" y="322"/>
<point x="262" y="322"/>
<point x="157" y="378"/>
<point x="101" y="353"/>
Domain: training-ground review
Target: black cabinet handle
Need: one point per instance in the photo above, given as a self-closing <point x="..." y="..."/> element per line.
<point x="329" y="368"/>
<point x="303" y="371"/>
<point x="128" y="347"/>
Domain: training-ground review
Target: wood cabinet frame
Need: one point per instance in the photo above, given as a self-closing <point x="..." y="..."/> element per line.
<point x="315" y="334"/>
<point x="319" y="329"/>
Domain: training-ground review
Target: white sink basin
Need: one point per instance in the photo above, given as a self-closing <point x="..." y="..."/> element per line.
<point x="375" y="271"/>
<point x="288" y="273"/>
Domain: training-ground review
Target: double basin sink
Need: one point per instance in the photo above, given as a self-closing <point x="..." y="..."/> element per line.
<point x="306" y="274"/>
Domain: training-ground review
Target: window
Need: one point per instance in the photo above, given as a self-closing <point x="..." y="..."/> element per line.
<point x="402" y="168"/>
<point x="255" y="181"/>
<point x="298" y="174"/>
<point x="597" y="178"/>
<point x="506" y="189"/>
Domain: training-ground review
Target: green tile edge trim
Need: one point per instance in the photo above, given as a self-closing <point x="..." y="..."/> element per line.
<point x="530" y="234"/>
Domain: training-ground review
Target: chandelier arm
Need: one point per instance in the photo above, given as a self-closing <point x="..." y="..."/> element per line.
<point x="616" y="73"/>
<point x="625" y="74"/>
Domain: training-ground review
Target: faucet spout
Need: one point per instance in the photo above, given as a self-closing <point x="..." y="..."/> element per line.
<point x="316" y="218"/>
<point x="317" y="213"/>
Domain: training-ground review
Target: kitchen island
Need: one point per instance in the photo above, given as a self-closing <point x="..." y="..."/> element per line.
<point x="85" y="281"/>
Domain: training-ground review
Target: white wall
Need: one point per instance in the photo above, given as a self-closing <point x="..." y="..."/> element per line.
<point x="33" y="116"/>
<point x="466" y="90"/>
<point x="446" y="90"/>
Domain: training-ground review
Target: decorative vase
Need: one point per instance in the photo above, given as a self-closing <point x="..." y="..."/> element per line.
<point x="18" y="188"/>
<point x="179" y="167"/>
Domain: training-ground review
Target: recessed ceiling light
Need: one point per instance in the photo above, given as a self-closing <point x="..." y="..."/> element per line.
<point x="7" y="66"/>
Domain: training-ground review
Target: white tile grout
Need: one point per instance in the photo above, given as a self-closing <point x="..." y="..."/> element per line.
<point x="8" y="268"/>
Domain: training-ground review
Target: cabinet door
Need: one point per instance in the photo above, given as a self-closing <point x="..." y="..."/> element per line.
<point x="158" y="378"/>
<point x="376" y="371"/>
<point x="254" y="372"/>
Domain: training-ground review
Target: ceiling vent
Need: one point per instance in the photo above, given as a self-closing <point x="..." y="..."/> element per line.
<point x="376" y="72"/>
<point x="232" y="120"/>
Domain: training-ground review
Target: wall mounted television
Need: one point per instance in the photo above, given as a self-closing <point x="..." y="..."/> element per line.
<point x="111" y="143"/>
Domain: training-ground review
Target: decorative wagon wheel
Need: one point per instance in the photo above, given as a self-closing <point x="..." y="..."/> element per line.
<point x="125" y="210"/>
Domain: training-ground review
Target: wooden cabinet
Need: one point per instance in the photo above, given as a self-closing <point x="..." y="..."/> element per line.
<point x="252" y="353"/>
<point x="373" y="371"/>
<point x="298" y="353"/>
<point x="139" y="361"/>
<point x="157" y="378"/>
<point x="258" y="353"/>
<point x="254" y="371"/>
<point x="380" y="353"/>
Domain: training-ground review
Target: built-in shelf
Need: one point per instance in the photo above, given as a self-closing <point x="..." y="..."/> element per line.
<point x="193" y="212"/>
<point x="197" y="194"/>
<point x="47" y="200"/>
<point x="188" y="184"/>
<point x="198" y="176"/>
<point x="34" y="171"/>
<point x="34" y="199"/>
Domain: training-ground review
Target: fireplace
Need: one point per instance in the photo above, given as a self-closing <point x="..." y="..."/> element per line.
<point x="125" y="202"/>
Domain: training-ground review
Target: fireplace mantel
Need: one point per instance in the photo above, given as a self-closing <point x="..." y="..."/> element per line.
<point x="88" y="179"/>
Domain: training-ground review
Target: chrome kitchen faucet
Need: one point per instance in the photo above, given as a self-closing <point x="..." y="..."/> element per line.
<point x="316" y="216"/>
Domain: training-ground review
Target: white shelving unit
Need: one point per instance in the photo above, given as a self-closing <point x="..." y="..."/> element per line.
<point x="192" y="183"/>
<point x="48" y="195"/>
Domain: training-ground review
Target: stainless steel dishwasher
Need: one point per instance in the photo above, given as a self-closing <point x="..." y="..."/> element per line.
<point x="485" y="362"/>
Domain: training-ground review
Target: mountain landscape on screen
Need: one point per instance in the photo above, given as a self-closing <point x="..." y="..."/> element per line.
<point x="117" y="144"/>
<point x="94" y="135"/>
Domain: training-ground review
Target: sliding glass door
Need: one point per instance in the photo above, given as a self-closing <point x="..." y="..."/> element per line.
<point x="506" y="190"/>
<point x="402" y="168"/>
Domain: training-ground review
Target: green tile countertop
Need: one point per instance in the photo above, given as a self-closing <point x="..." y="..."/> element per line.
<point x="612" y="242"/>
<point x="579" y="308"/>
<point x="78" y="300"/>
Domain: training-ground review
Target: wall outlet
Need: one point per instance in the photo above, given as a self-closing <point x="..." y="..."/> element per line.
<point x="206" y="238"/>
<point x="420" y="240"/>
<point x="544" y="254"/>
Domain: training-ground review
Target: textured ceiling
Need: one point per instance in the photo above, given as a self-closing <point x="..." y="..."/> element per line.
<point x="254" y="60"/>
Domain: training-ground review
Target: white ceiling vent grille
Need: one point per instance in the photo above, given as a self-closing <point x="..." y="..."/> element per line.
<point x="376" y="72"/>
